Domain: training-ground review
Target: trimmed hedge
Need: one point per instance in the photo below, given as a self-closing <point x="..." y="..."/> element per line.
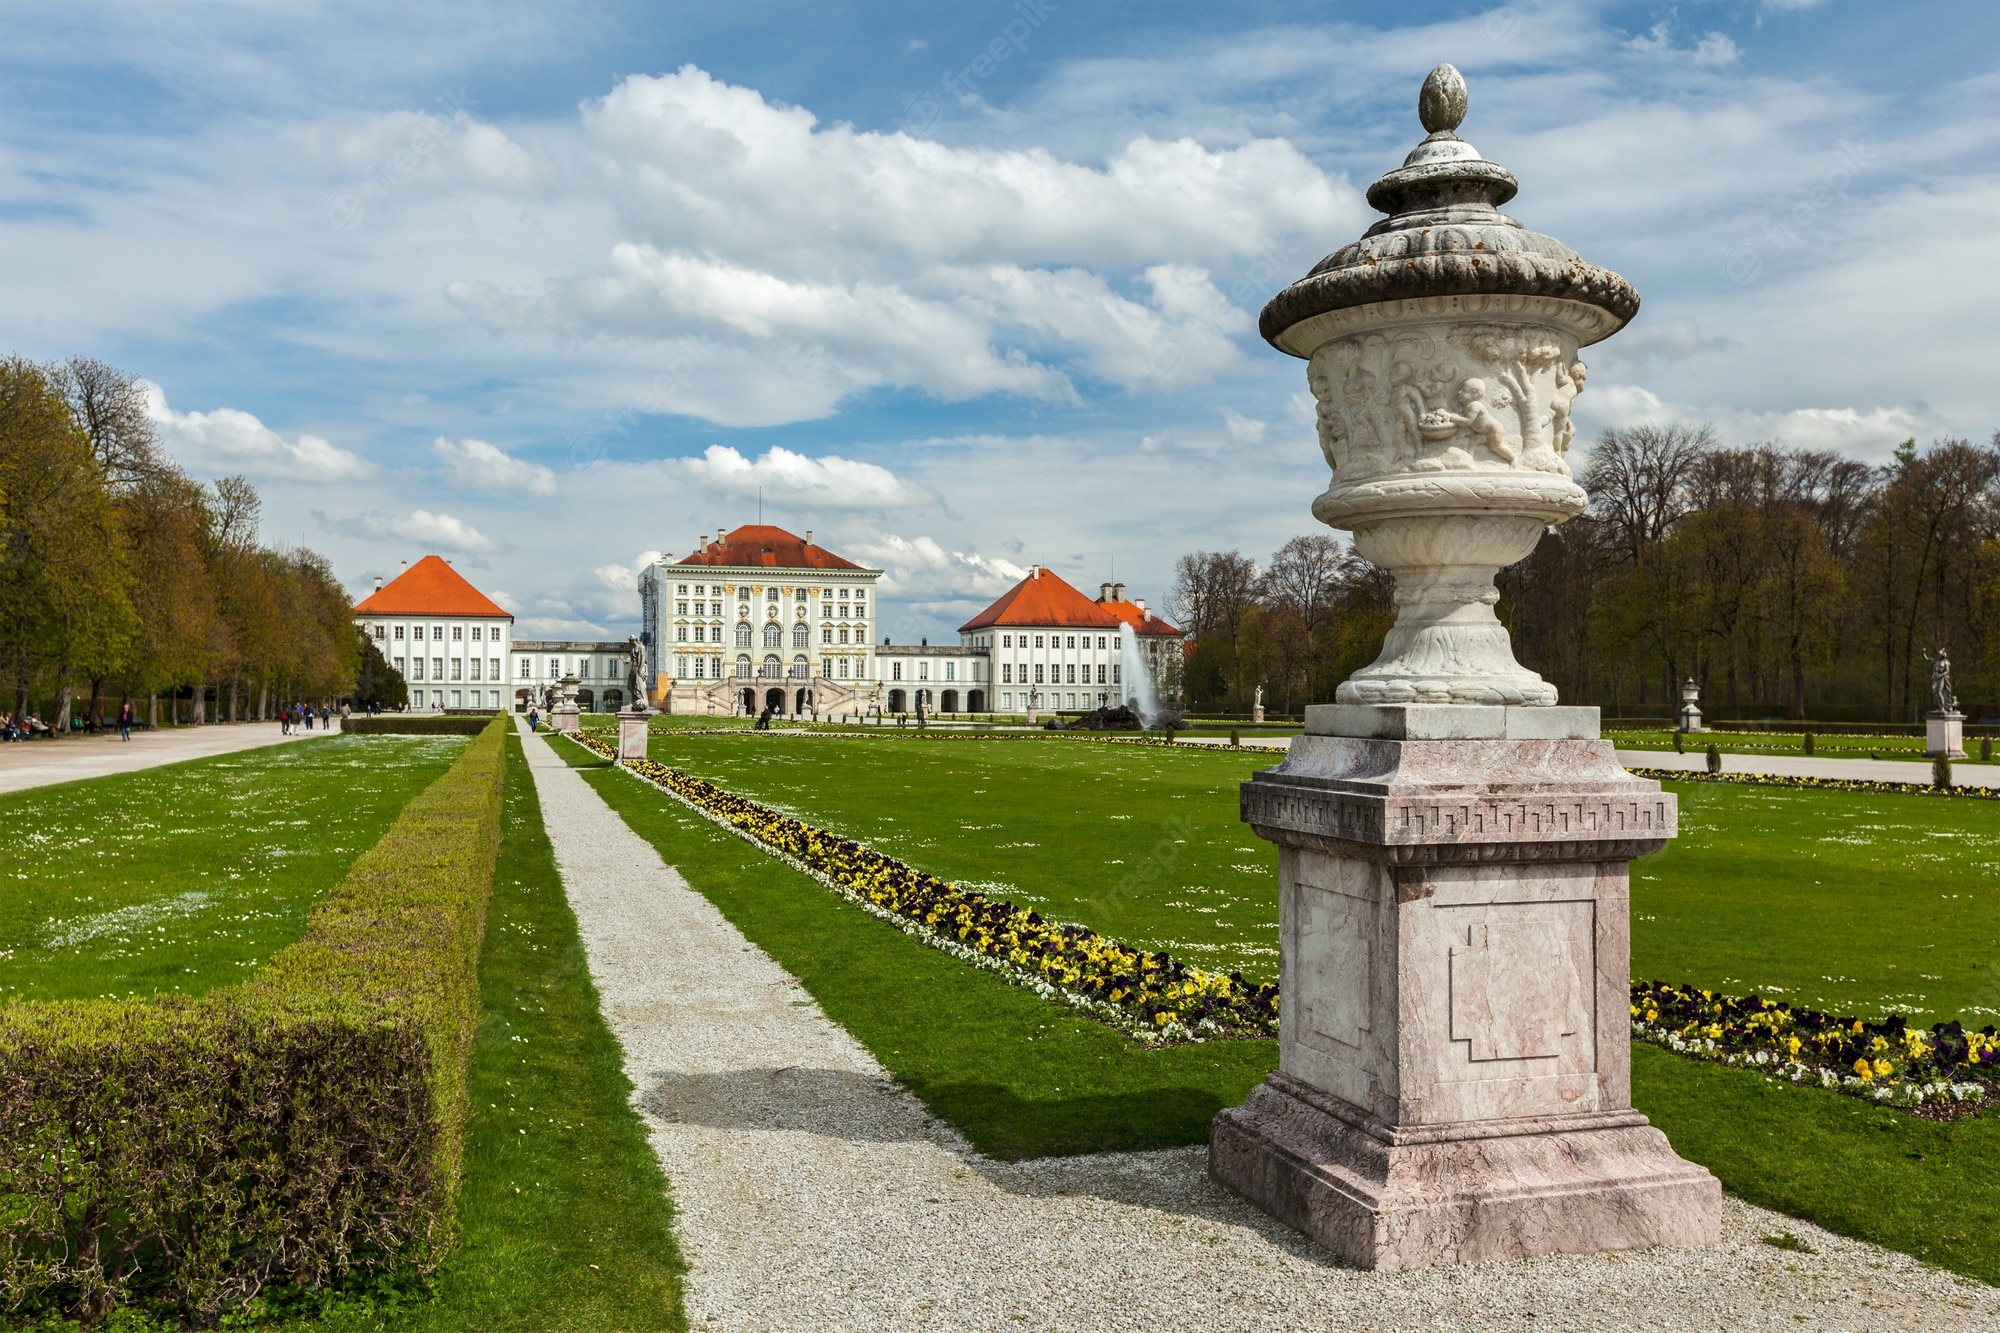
<point x="301" y="1127"/>
<point x="415" y="724"/>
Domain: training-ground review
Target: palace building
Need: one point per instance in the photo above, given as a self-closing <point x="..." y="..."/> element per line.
<point x="760" y="618"/>
<point x="454" y="647"/>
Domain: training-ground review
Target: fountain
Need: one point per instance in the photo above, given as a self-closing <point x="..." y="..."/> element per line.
<point x="1454" y="1080"/>
<point x="1140" y="694"/>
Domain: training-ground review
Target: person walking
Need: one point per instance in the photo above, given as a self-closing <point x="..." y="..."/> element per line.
<point x="534" y="720"/>
<point x="125" y="721"/>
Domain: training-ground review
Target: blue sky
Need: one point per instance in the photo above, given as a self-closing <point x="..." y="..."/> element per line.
<point x="551" y="288"/>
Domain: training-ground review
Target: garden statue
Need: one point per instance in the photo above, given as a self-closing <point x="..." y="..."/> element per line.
<point x="1944" y="725"/>
<point x="1454" y="1075"/>
<point x="635" y="673"/>
<point x="1942" y="698"/>
<point x="1257" y="705"/>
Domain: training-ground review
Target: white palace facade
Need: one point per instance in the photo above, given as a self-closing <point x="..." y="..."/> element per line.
<point x="760" y="618"/>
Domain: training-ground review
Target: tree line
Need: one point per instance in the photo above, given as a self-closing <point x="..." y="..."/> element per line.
<point x="1784" y="581"/>
<point x="123" y="579"/>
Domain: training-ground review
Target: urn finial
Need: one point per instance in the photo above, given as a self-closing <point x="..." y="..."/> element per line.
<point x="1441" y="104"/>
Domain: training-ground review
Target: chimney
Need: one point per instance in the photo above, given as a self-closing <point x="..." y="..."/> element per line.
<point x="1149" y="614"/>
<point x="1117" y="592"/>
<point x="809" y="536"/>
<point x="378" y="583"/>
<point x="1034" y="571"/>
<point x="1103" y="592"/>
<point x="702" y="545"/>
<point x="1140" y="603"/>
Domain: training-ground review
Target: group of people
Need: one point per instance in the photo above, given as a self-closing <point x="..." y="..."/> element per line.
<point x="26" y="727"/>
<point x="299" y="716"/>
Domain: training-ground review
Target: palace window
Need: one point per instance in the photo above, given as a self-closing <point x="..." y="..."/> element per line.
<point x="437" y="633"/>
<point x="1007" y="673"/>
<point x="826" y="634"/>
<point x="527" y="668"/>
<point x="400" y="666"/>
<point x="743" y="668"/>
<point x="1006" y="641"/>
<point x="1114" y="673"/>
<point x="951" y="671"/>
<point x="416" y="632"/>
<point x="801" y="636"/>
<point x="770" y="594"/>
<point x="555" y="668"/>
<point x="475" y="634"/>
<point x="416" y="668"/>
<point x="398" y="635"/>
<point x="895" y="671"/>
<point x="583" y="668"/>
<point x="437" y="668"/>
<point x="1100" y="673"/>
<point x="681" y="633"/>
<point x="1072" y="640"/>
<point x="1038" y="673"/>
<point x="843" y="668"/>
<point x="1038" y="641"/>
<point x="923" y="671"/>
<point x="680" y="608"/>
<point x="682" y="589"/>
<point x="742" y="636"/>
<point x="774" y="637"/>
<point x="492" y="668"/>
<point x="680" y="666"/>
<point x="801" y="597"/>
<point x="1072" y="673"/>
<point x="378" y="631"/>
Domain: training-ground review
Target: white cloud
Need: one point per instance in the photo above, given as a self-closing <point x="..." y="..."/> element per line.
<point x="830" y="482"/>
<point x="624" y="579"/>
<point x="1712" y="49"/>
<point x="228" y="439"/>
<point x="923" y="570"/>
<point x="419" y="527"/>
<point x="1242" y="429"/>
<point x="475" y="465"/>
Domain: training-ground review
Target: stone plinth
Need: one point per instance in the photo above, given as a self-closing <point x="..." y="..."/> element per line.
<point x="563" y="717"/>
<point x="1257" y="713"/>
<point x="1691" y="718"/>
<point x="1944" y="735"/>
<point x="632" y="735"/>
<point x="1454" y="1077"/>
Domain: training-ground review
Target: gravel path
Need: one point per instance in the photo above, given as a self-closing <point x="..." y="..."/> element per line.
<point x="814" y="1193"/>
<point x="25" y="764"/>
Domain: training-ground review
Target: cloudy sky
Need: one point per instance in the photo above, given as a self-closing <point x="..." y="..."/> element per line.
<point x="553" y="289"/>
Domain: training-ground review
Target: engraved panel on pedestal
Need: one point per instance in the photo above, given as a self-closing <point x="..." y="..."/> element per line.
<point x="1330" y="978"/>
<point x="1513" y="1026"/>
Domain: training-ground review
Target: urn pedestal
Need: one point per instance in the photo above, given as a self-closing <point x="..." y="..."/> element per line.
<point x="1944" y="735"/>
<point x="632" y="735"/>
<point x="1454" y="1080"/>
<point x="564" y="718"/>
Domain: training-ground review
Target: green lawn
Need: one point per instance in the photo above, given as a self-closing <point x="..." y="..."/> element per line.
<point x="184" y="877"/>
<point x="1142" y="843"/>
<point x="1902" y="916"/>
<point x="1792" y="743"/>
<point x="1849" y="901"/>
<point x="1020" y="1076"/>
<point x="565" y="1219"/>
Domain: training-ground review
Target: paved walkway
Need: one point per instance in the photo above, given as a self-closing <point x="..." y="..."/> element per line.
<point x="25" y="764"/>
<point x="814" y="1193"/>
<point x="1776" y="765"/>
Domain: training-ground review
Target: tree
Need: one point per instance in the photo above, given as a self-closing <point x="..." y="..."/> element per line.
<point x="376" y="683"/>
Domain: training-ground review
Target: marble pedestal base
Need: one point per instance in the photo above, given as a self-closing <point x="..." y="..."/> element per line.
<point x="632" y="735"/>
<point x="565" y="719"/>
<point x="1578" y="1185"/>
<point x="1454" y="1079"/>
<point x="1944" y="735"/>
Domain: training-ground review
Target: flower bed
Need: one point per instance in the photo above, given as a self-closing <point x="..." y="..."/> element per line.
<point x="1147" y="994"/>
<point x="1818" y="784"/>
<point x="1886" y="1060"/>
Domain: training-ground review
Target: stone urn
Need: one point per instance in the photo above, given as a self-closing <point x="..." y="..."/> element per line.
<point x="1442" y="353"/>
<point x="1454" y="1076"/>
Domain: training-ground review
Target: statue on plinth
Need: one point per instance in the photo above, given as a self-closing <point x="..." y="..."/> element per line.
<point x="1454" y="1077"/>
<point x="1944" y="725"/>
<point x="1943" y="701"/>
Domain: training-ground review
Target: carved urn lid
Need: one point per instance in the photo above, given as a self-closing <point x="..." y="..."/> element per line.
<point x="1445" y="236"/>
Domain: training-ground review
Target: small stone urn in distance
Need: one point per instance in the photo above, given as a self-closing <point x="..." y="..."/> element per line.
<point x="1691" y="706"/>
<point x="1454" y="1080"/>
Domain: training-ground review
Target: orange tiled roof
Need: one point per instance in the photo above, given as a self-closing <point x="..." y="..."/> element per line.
<point x="431" y="587"/>
<point x="1136" y="616"/>
<point x="1043" y="599"/>
<point x="761" y="544"/>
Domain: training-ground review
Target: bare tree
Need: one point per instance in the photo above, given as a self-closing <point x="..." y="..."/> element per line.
<point x="110" y="405"/>
<point x="1639" y="480"/>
